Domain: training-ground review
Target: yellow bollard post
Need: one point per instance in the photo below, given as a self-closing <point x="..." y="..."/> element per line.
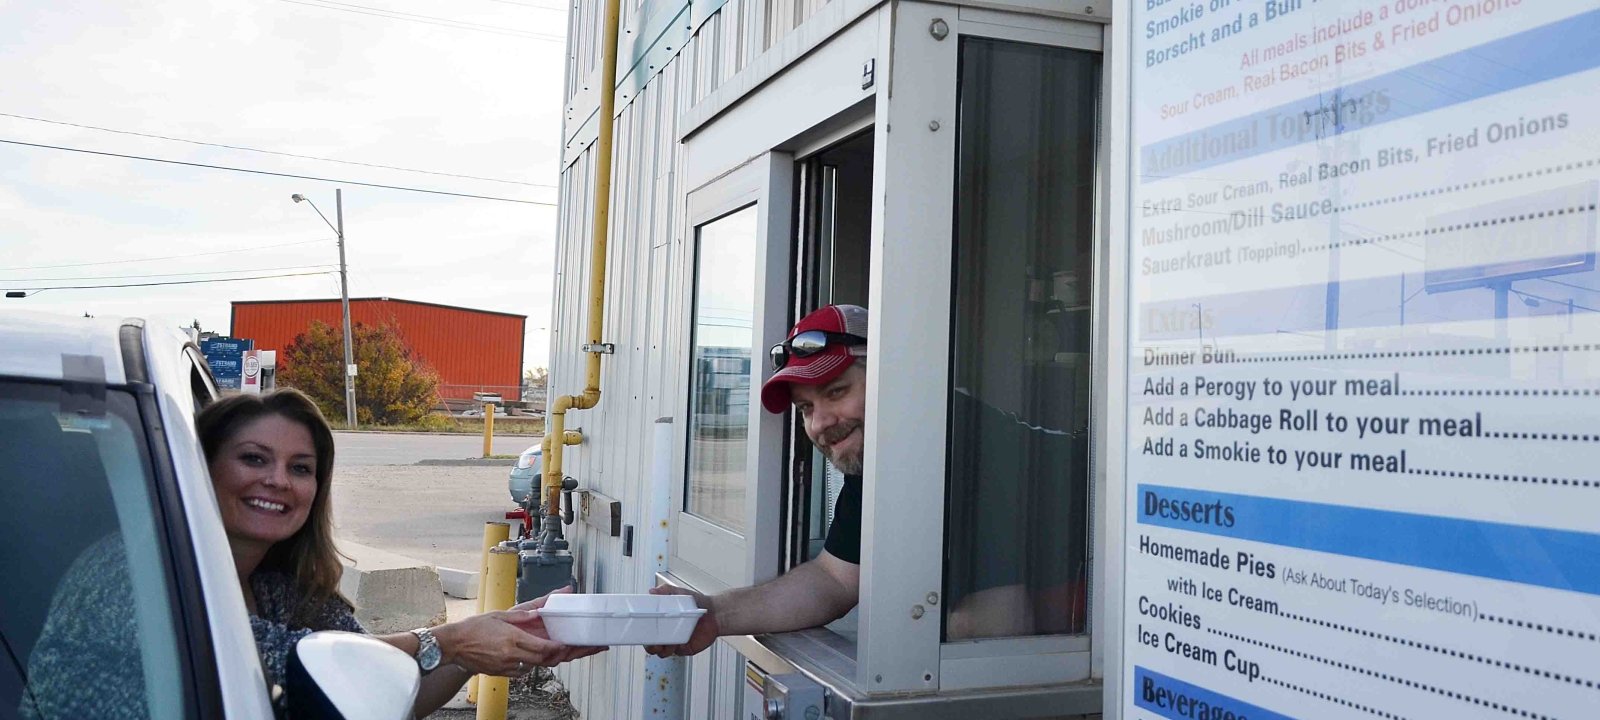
<point x="488" y="429"/>
<point x="494" y="533"/>
<point x="501" y="593"/>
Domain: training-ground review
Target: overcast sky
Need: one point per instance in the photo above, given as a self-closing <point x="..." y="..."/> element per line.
<point x="305" y="77"/>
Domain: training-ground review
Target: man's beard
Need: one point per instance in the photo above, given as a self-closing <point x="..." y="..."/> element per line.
<point x="848" y="464"/>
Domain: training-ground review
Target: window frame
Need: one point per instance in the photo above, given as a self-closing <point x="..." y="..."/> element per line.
<point x="708" y="556"/>
<point x="1022" y="661"/>
<point x="200" y="371"/>
<point x="897" y="653"/>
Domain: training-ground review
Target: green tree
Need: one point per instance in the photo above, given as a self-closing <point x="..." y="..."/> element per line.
<point x="394" y="386"/>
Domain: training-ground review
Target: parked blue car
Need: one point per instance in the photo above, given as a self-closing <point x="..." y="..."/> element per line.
<point x="525" y="473"/>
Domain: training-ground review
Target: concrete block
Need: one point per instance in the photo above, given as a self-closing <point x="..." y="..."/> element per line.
<point x="391" y="593"/>
<point x="459" y="583"/>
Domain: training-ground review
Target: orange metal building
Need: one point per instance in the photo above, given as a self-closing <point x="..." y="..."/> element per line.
<point x="472" y="350"/>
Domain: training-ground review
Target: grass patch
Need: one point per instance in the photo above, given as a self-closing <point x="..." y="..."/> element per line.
<point x="463" y="425"/>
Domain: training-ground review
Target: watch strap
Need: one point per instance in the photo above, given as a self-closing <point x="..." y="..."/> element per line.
<point x="428" y="655"/>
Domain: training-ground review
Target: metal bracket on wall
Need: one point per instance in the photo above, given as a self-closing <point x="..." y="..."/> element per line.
<point x="602" y="512"/>
<point x="602" y="348"/>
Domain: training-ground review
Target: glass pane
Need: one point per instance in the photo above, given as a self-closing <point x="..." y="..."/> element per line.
<point x="1017" y="531"/>
<point x="719" y="399"/>
<point x="88" y="636"/>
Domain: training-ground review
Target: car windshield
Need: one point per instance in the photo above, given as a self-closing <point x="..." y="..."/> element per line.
<point x="87" y="616"/>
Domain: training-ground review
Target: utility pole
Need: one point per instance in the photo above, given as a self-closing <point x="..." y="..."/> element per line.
<point x="344" y="299"/>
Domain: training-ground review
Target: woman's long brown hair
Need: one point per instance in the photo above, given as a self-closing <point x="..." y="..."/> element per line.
<point x="309" y="556"/>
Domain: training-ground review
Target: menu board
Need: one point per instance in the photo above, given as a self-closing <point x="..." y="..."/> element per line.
<point x="1363" y="457"/>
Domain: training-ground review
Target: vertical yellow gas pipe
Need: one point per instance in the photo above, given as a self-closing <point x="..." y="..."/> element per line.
<point x="556" y="436"/>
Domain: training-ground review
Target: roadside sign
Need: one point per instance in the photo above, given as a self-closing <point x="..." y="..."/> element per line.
<point x="225" y="355"/>
<point x="250" y="376"/>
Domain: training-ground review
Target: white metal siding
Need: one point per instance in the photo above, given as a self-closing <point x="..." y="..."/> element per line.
<point x="648" y="266"/>
<point x="645" y="268"/>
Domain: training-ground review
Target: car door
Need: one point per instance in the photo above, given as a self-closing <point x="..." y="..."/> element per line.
<point x="94" y="615"/>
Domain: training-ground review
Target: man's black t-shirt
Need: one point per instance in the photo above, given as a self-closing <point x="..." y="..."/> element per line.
<point x="844" y="535"/>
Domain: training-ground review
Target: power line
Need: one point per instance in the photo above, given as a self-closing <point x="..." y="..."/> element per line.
<point x="1570" y="285"/>
<point x="276" y="174"/>
<point x="166" y="257"/>
<point x="270" y="152"/>
<point x="398" y="15"/>
<point x="171" y="282"/>
<point x="531" y="5"/>
<point x="427" y="20"/>
<point x="156" y="275"/>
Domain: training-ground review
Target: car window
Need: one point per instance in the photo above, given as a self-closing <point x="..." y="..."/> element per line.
<point x="87" y="616"/>
<point x="201" y="385"/>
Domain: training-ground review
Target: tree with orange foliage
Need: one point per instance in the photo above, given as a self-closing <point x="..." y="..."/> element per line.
<point x="393" y="387"/>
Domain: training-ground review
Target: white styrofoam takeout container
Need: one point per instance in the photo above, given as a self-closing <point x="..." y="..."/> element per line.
<point x="573" y="619"/>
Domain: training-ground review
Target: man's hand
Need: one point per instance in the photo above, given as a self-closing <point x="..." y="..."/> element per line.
<point x="705" y="632"/>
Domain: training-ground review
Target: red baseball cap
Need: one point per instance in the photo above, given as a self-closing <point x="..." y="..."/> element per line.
<point x="824" y="366"/>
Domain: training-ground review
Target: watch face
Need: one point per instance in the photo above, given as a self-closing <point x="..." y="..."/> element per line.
<point x="427" y="652"/>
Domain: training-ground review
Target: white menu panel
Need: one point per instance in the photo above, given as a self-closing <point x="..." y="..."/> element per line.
<point x="1364" y="376"/>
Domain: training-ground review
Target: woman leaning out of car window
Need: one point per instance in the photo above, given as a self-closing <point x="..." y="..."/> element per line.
<point x="271" y="461"/>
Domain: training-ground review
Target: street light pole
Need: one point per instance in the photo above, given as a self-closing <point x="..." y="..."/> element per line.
<point x="344" y="301"/>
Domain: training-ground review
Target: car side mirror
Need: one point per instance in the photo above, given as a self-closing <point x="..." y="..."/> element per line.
<point x="349" y="676"/>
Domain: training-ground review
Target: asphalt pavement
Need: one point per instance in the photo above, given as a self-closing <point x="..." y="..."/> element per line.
<point x="360" y="449"/>
<point x="382" y="498"/>
<point x="435" y="513"/>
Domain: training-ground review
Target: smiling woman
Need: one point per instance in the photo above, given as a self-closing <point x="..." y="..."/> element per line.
<point x="271" y="459"/>
<point x="271" y="463"/>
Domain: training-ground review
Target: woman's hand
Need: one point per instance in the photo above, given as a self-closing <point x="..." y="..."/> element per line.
<point x="535" y="626"/>
<point x="503" y="643"/>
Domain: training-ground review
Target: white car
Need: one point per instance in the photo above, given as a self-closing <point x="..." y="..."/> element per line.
<point x="121" y="597"/>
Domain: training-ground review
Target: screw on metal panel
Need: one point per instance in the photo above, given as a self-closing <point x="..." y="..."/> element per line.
<point x="917" y="612"/>
<point x="939" y="29"/>
<point x="933" y="598"/>
<point x="877" y="678"/>
<point x="1088" y="10"/>
<point x="927" y="677"/>
<point x="933" y="126"/>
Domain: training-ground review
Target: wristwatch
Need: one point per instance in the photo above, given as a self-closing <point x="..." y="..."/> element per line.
<point x="428" y="654"/>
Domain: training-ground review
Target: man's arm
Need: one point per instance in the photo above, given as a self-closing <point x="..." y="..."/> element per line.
<point x="815" y="593"/>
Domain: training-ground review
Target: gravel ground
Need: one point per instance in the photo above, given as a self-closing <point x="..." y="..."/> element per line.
<point x="535" y="696"/>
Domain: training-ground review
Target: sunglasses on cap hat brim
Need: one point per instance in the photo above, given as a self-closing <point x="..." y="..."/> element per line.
<point x="808" y="343"/>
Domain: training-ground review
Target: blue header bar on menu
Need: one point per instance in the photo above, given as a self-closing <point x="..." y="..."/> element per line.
<point x="1559" y="559"/>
